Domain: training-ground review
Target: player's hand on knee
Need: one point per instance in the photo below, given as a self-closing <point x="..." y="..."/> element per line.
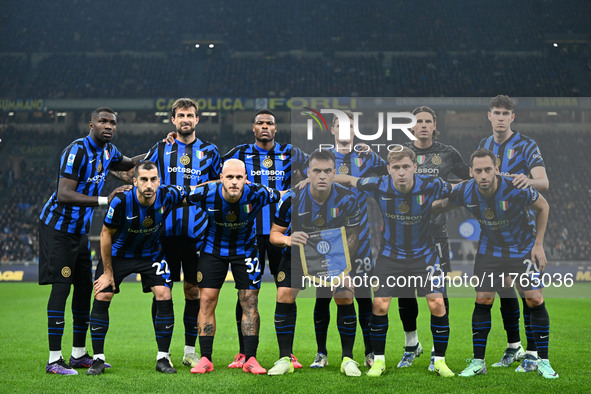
<point x="103" y="282"/>
<point x="170" y="138"/>
<point x="538" y="256"/>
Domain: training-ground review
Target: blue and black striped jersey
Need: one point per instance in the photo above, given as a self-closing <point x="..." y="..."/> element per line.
<point x="231" y="231"/>
<point x="506" y="228"/>
<point x="361" y="165"/>
<point x="138" y="226"/>
<point x="340" y="209"/>
<point x="283" y="215"/>
<point x="407" y="216"/>
<point x="186" y="165"/>
<point x="272" y="168"/>
<point x="518" y="155"/>
<point x="88" y="164"/>
<point x="444" y="161"/>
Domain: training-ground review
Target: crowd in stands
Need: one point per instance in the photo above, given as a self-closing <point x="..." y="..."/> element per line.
<point x="302" y="48"/>
<point x="143" y="75"/>
<point x="151" y="25"/>
<point x="27" y="181"/>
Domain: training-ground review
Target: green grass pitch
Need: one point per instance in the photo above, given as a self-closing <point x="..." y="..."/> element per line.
<point x="131" y="349"/>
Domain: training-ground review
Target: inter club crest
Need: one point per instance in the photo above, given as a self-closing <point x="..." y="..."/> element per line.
<point x="147" y="222"/>
<point x="185" y="159"/>
<point x="231" y="217"/>
<point x="403" y="208"/>
<point x="319" y="221"/>
<point x="268" y="163"/>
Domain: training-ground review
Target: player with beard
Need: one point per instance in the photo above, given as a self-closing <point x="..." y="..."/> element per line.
<point x="519" y="157"/>
<point x="348" y="161"/>
<point x="231" y="207"/>
<point x="510" y="250"/>
<point x="64" y="249"/>
<point x="189" y="161"/>
<point x="272" y="164"/>
<point x="130" y="243"/>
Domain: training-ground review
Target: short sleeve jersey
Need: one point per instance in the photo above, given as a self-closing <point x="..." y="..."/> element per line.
<point x="186" y="165"/>
<point x="407" y="216"/>
<point x="88" y="164"/>
<point x="518" y="155"/>
<point x="138" y="226"/>
<point x="272" y="168"/>
<point x="231" y="231"/>
<point x="506" y="228"/>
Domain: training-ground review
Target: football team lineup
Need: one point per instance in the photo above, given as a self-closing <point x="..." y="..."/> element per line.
<point x="162" y="223"/>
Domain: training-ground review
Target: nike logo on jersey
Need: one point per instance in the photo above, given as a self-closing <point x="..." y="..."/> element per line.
<point x="91" y="161"/>
<point x="387" y="198"/>
<point x="171" y="152"/>
<point x="212" y="210"/>
<point x="302" y="214"/>
<point x="472" y="205"/>
<point x="249" y="156"/>
<point x="130" y="218"/>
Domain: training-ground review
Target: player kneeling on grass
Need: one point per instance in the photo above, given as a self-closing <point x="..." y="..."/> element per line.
<point x="130" y="244"/>
<point x="511" y="248"/>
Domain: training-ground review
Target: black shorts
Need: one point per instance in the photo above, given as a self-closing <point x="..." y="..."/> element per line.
<point x="496" y="273"/>
<point x="181" y="252"/>
<point x="154" y="272"/>
<point x="63" y="257"/>
<point x="290" y="275"/>
<point x="269" y="251"/>
<point x="212" y="271"/>
<point x="404" y="278"/>
<point x="442" y="247"/>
